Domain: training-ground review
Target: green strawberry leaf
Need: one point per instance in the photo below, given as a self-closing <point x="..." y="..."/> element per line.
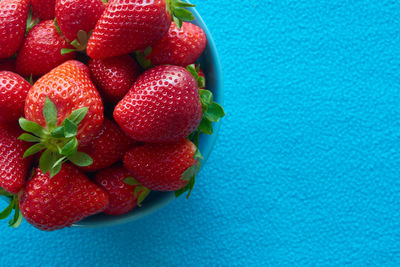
<point x="179" y="13"/>
<point x="141" y="58"/>
<point x="190" y="172"/>
<point x="7" y="211"/>
<point x="70" y="128"/>
<point x="29" y="138"/>
<point x="206" y="127"/>
<point x="183" y="14"/>
<point x="214" y="112"/>
<point x="17" y="218"/>
<point x="70" y="148"/>
<point x="142" y="195"/>
<point x="78" y="115"/>
<point x="81" y="159"/>
<point x="46" y="161"/>
<point x="188" y="187"/>
<point x="65" y="51"/>
<point x="32" y="127"/>
<point x="57" y="27"/>
<point x="131" y="181"/>
<point x="58" y="132"/>
<point x="34" y="149"/>
<point x="178" y="22"/>
<point x="50" y="114"/>
<point x="198" y="155"/>
<point x="206" y="97"/>
<point x="55" y="169"/>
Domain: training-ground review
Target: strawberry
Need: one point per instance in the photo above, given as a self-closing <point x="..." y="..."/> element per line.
<point x="179" y="47"/>
<point x="162" y="106"/>
<point x="13" y="168"/>
<point x="41" y="50"/>
<point x="124" y="192"/>
<point x="8" y="65"/>
<point x="13" y="16"/>
<point x="63" y="109"/>
<point x="114" y="76"/>
<point x="78" y="15"/>
<point x="13" y="91"/>
<point x="58" y="202"/>
<point x="44" y="8"/>
<point x="163" y="167"/>
<point x="108" y="147"/>
<point x="126" y="26"/>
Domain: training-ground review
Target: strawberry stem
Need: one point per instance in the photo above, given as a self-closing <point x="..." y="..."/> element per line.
<point x="58" y="142"/>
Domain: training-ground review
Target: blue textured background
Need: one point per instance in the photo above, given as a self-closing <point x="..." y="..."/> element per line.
<point x="306" y="168"/>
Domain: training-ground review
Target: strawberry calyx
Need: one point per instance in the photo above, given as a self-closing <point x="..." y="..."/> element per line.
<point x="212" y="111"/>
<point x="190" y="175"/>
<point x="58" y="142"/>
<point x="79" y="44"/>
<point x="140" y="191"/>
<point x="178" y="11"/>
<point x="141" y="58"/>
<point x="12" y="206"/>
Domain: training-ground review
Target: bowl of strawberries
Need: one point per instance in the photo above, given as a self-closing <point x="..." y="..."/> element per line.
<point x="107" y="110"/>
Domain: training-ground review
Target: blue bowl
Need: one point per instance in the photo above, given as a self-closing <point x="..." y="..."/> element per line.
<point x="212" y="68"/>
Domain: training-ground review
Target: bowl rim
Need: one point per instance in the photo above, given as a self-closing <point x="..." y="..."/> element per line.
<point x="169" y="196"/>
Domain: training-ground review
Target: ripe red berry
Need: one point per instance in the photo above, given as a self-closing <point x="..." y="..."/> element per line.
<point x="13" y="168"/>
<point x="161" y="167"/>
<point x="162" y="106"/>
<point x="114" y="76"/>
<point x="41" y="50"/>
<point x="13" y="91"/>
<point x="58" y="202"/>
<point x="44" y="8"/>
<point x="123" y="196"/>
<point x="13" y="16"/>
<point x="180" y="47"/>
<point x="107" y="147"/>
<point x="76" y="15"/>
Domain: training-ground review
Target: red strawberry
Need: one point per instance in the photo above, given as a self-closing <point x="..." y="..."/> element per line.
<point x="163" y="167"/>
<point x="13" y="168"/>
<point x="44" y="8"/>
<point x="58" y="202"/>
<point x="124" y="192"/>
<point x="41" y="50"/>
<point x="114" y="76"/>
<point x="162" y="106"/>
<point x="108" y="147"/>
<point x="180" y="47"/>
<point x="62" y="108"/>
<point x="76" y="15"/>
<point x="13" y="16"/>
<point x="126" y="26"/>
<point x="13" y="91"/>
<point x="8" y="65"/>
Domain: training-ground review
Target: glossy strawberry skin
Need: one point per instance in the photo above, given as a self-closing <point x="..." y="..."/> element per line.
<point x="13" y="16"/>
<point x="121" y="195"/>
<point x="41" y="50"/>
<point x="8" y="64"/>
<point x="127" y="26"/>
<point x="68" y="197"/>
<point x="107" y="147"/>
<point x="13" y="91"/>
<point x="75" y="15"/>
<point x="180" y="47"/>
<point x="70" y="88"/>
<point x="44" y="9"/>
<point x="114" y="76"/>
<point x="162" y="106"/>
<point x="13" y="169"/>
<point x="160" y="167"/>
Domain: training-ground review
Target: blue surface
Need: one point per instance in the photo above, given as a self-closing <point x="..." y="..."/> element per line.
<point x="306" y="170"/>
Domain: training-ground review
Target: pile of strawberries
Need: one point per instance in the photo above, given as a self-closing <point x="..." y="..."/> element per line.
<point x="100" y="103"/>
